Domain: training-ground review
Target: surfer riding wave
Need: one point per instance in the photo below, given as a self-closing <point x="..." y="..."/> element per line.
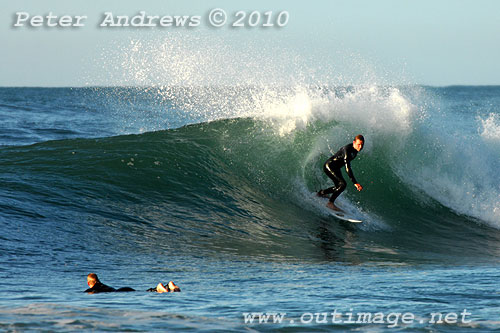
<point x="332" y="168"/>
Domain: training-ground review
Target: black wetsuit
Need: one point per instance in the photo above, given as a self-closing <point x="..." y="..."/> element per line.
<point x="332" y="169"/>
<point x="102" y="288"/>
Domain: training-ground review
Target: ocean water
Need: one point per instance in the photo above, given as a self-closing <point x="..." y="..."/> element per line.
<point x="213" y="188"/>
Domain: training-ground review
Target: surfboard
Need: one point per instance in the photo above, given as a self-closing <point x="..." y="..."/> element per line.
<point x="344" y="217"/>
<point x="341" y="215"/>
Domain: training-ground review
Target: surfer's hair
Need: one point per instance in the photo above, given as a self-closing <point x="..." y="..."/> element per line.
<point x="93" y="277"/>
<point x="359" y="137"/>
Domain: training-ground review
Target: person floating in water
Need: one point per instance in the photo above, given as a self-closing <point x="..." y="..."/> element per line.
<point x="332" y="169"/>
<point x="97" y="286"/>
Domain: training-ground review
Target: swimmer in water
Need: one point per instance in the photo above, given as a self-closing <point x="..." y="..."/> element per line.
<point x="97" y="286"/>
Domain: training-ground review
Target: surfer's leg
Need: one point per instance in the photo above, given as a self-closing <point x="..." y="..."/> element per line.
<point x="336" y="176"/>
<point x="340" y="184"/>
<point x="324" y="193"/>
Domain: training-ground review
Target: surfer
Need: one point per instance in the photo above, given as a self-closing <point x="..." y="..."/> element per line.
<point x="97" y="286"/>
<point x="161" y="288"/>
<point x="332" y="169"/>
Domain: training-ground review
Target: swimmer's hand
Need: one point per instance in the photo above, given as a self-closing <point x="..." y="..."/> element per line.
<point x="358" y="187"/>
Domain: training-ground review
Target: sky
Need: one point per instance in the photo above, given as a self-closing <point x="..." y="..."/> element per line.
<point x="438" y="42"/>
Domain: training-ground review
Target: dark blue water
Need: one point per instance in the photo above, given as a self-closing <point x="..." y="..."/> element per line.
<point x="213" y="188"/>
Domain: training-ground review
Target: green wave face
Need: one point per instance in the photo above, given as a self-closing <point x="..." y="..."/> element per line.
<point x="240" y="186"/>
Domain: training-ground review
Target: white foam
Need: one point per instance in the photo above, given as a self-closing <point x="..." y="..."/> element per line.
<point x="370" y="109"/>
<point x="276" y="82"/>
<point x="460" y="171"/>
<point x="466" y="194"/>
<point x="490" y="127"/>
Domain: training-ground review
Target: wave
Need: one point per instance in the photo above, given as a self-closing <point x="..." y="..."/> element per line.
<point x="246" y="184"/>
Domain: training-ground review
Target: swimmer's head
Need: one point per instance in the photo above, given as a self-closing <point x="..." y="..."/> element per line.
<point x="92" y="279"/>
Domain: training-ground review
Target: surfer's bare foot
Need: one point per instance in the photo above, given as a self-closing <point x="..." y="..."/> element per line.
<point x="173" y="287"/>
<point x="331" y="205"/>
<point x="161" y="288"/>
<point x="321" y="194"/>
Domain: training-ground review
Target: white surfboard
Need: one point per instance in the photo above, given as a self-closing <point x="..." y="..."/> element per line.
<point x="341" y="215"/>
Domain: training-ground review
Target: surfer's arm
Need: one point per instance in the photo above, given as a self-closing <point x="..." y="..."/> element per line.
<point x="351" y="175"/>
<point x="348" y="169"/>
